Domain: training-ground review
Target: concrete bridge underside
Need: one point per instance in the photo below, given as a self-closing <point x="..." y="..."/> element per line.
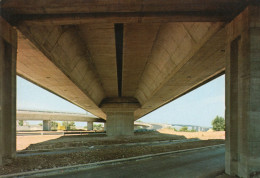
<point x="120" y="60"/>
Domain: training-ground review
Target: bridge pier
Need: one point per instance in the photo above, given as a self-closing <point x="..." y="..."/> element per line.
<point x="120" y="116"/>
<point x="105" y="126"/>
<point x="243" y="94"/>
<point x="90" y="125"/>
<point x="46" y="125"/>
<point x="8" y="50"/>
<point x="120" y="123"/>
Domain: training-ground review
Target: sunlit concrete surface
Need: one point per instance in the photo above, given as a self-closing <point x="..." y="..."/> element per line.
<point x="121" y="60"/>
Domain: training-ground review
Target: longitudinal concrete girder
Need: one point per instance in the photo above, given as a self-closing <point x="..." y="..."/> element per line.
<point x="150" y="56"/>
<point x="36" y="67"/>
<point x="122" y="59"/>
<point x="152" y="60"/>
<point x="100" y="42"/>
<point x="137" y="49"/>
<point x="71" y="12"/>
<point x="65" y="48"/>
<point x="184" y="56"/>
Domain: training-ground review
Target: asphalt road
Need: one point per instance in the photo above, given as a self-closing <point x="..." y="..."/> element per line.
<point x="200" y="163"/>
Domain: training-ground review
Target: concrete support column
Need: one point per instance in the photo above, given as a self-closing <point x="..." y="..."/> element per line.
<point x="120" y="116"/>
<point x="105" y="126"/>
<point x="90" y="125"/>
<point x="8" y="50"/>
<point x="120" y="123"/>
<point x="243" y="94"/>
<point x="46" y="125"/>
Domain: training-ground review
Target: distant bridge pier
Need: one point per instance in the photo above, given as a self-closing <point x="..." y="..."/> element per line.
<point x="105" y="126"/>
<point x="8" y="50"/>
<point x="46" y="125"/>
<point x="120" y="115"/>
<point x="90" y="125"/>
<point x="243" y="94"/>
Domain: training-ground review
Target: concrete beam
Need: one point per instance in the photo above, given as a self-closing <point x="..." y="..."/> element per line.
<point x="8" y="50"/>
<point x="78" y="12"/>
<point x="66" y="49"/>
<point x="243" y="94"/>
<point x="184" y="56"/>
<point x="96" y="36"/>
<point x="47" y="75"/>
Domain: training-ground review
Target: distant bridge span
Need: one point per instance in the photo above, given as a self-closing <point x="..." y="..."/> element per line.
<point x="56" y="116"/>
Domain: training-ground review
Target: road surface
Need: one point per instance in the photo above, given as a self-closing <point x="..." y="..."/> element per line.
<point x="200" y="163"/>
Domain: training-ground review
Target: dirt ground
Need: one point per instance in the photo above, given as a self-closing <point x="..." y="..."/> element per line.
<point x="24" y="141"/>
<point x="57" y="141"/>
<point x="37" y="162"/>
<point x="200" y="135"/>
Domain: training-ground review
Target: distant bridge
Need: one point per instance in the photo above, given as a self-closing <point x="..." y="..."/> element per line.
<point x="56" y="116"/>
<point x="191" y="127"/>
<point x="64" y="116"/>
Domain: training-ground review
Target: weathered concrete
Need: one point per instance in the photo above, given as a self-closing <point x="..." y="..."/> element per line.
<point x="120" y="123"/>
<point x="47" y="75"/>
<point x="161" y="61"/>
<point x="72" y="50"/>
<point x="8" y="48"/>
<point x="90" y="125"/>
<point x="184" y="56"/>
<point x="46" y="125"/>
<point x="243" y="94"/>
<point x="120" y="115"/>
<point x="105" y="126"/>
<point x="70" y="12"/>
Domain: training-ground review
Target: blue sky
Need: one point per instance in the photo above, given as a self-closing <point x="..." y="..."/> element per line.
<point x="198" y="107"/>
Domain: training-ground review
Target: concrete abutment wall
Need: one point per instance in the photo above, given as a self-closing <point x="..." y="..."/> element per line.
<point x="8" y="52"/>
<point x="243" y="94"/>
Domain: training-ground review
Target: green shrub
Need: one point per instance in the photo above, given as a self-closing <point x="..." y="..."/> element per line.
<point x="184" y="129"/>
<point x="218" y="124"/>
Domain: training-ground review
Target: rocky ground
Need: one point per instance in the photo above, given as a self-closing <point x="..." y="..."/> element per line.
<point x="28" y="163"/>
